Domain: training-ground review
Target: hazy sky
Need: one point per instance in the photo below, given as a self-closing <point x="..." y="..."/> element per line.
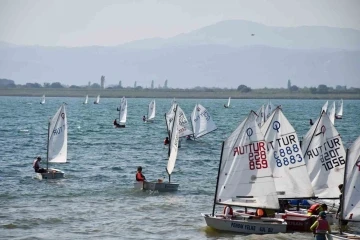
<point x="112" y="22"/>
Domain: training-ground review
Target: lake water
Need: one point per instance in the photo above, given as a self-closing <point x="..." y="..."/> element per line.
<point x="96" y="200"/>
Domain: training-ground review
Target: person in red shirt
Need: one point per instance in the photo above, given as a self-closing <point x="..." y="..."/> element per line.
<point x="166" y="141"/>
<point x="139" y="176"/>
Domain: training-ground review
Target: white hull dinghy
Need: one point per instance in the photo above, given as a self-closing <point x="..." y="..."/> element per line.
<point x="151" y="112"/>
<point x="86" y="99"/>
<point x="339" y="114"/>
<point x="245" y="182"/>
<point x="97" y="100"/>
<point x="160" y="185"/>
<point x="56" y="145"/>
<point x="42" y="100"/>
<point x="201" y="121"/>
<point x="228" y="104"/>
<point x="122" y="113"/>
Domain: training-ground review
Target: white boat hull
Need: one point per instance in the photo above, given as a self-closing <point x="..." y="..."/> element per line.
<point x="246" y="224"/>
<point x="330" y="216"/>
<point x="51" y="174"/>
<point x="157" y="186"/>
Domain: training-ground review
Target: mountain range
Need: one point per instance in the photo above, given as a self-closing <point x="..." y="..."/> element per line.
<point x="225" y="54"/>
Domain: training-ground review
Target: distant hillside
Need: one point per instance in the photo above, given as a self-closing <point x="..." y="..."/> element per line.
<point x="221" y="55"/>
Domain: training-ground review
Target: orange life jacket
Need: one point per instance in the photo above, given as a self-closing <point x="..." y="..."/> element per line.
<point x="230" y="210"/>
<point x="260" y="212"/>
<point x="314" y="209"/>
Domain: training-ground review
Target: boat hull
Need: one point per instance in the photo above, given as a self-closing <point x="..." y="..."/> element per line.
<point x="343" y="236"/>
<point x="51" y="174"/>
<point x="157" y="186"/>
<point x="246" y="225"/>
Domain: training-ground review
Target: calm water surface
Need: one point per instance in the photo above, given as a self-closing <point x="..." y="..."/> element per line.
<point x="96" y="199"/>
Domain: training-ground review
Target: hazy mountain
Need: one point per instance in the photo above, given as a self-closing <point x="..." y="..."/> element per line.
<point x="224" y="54"/>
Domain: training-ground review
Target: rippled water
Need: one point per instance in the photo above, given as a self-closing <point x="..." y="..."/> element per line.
<point x="96" y="199"/>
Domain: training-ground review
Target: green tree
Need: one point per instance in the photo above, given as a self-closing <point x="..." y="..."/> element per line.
<point x="243" y="88"/>
<point x="322" y="88"/>
<point x="56" y="85"/>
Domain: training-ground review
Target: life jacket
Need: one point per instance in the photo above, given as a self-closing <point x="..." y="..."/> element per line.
<point x="230" y="210"/>
<point x="260" y="212"/>
<point x="166" y="141"/>
<point x="314" y="209"/>
<point x="322" y="227"/>
<point x="139" y="177"/>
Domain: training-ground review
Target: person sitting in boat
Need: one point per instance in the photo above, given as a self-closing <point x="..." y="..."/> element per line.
<point x="311" y="122"/>
<point x="315" y="209"/>
<point x="261" y="212"/>
<point x="166" y="141"/>
<point x="116" y="124"/>
<point x="139" y="176"/>
<point x="144" y="119"/>
<point x="342" y="222"/>
<point x="228" y="212"/>
<point x="36" y="166"/>
<point x="321" y="227"/>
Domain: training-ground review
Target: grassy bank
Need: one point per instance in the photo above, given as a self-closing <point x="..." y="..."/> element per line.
<point x="173" y="93"/>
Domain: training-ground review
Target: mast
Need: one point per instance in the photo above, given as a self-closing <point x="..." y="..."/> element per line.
<point x="47" y="148"/>
<point x="217" y="179"/>
<point x="343" y="192"/>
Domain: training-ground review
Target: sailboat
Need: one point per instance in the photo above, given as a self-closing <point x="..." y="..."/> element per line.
<point x="228" y="103"/>
<point x="151" y="111"/>
<point x="245" y="180"/>
<point x="340" y="111"/>
<point x="324" y="155"/>
<point x="56" y="144"/>
<point x="332" y="113"/>
<point x="268" y="110"/>
<point x="97" y="100"/>
<point x="122" y="113"/>
<point x="285" y="158"/>
<point x="86" y="99"/>
<point x="42" y="99"/>
<point x="350" y="209"/>
<point x="260" y="119"/>
<point x="325" y="106"/>
<point x="201" y="121"/>
<point x="184" y="126"/>
<point x="160" y="185"/>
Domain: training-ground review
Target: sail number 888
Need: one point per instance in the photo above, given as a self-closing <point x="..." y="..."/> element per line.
<point x="257" y="160"/>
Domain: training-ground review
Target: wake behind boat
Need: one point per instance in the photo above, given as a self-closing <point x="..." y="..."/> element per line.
<point x="169" y="186"/>
<point x="56" y="145"/>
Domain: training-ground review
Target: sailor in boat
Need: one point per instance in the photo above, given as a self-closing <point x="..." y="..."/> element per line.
<point x="36" y="166"/>
<point x="315" y="209"/>
<point x="321" y="227"/>
<point x="311" y="122"/>
<point x="343" y="223"/>
<point x="188" y="137"/>
<point x="225" y="106"/>
<point x="166" y="141"/>
<point x="139" y="176"/>
<point x="116" y="124"/>
<point x="228" y="212"/>
<point x="144" y="119"/>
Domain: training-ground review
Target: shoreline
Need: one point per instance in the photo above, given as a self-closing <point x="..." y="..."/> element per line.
<point x="173" y="93"/>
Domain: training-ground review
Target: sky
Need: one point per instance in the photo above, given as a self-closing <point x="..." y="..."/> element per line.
<point x="112" y="22"/>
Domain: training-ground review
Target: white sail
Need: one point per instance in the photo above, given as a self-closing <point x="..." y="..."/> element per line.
<point x="43" y="99"/>
<point x="97" y="100"/>
<point x="123" y="111"/>
<point x="174" y="142"/>
<point x="57" y="145"/>
<point x="228" y="104"/>
<point x="169" y="116"/>
<point x="351" y="203"/>
<point x="151" y="110"/>
<point x="324" y="108"/>
<point x="340" y="111"/>
<point x="202" y="122"/>
<point x="260" y="119"/>
<point x="285" y="158"/>
<point x="268" y="110"/>
<point x="332" y="113"/>
<point x="324" y="156"/>
<point x="245" y="177"/>
<point x="86" y="99"/>
<point x="184" y="126"/>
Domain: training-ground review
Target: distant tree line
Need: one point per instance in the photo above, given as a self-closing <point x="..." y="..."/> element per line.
<point x="320" y="89"/>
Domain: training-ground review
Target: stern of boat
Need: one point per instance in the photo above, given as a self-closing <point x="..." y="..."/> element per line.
<point x="51" y="174"/>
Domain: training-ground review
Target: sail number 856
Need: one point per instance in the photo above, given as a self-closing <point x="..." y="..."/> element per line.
<point x="257" y="160"/>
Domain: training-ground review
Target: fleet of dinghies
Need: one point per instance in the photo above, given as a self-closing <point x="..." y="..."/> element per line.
<point x="261" y="162"/>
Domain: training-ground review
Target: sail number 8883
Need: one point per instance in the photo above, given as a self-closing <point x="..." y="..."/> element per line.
<point x="257" y="160"/>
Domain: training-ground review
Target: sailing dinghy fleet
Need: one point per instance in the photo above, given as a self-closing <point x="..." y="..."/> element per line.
<point x="261" y="162"/>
